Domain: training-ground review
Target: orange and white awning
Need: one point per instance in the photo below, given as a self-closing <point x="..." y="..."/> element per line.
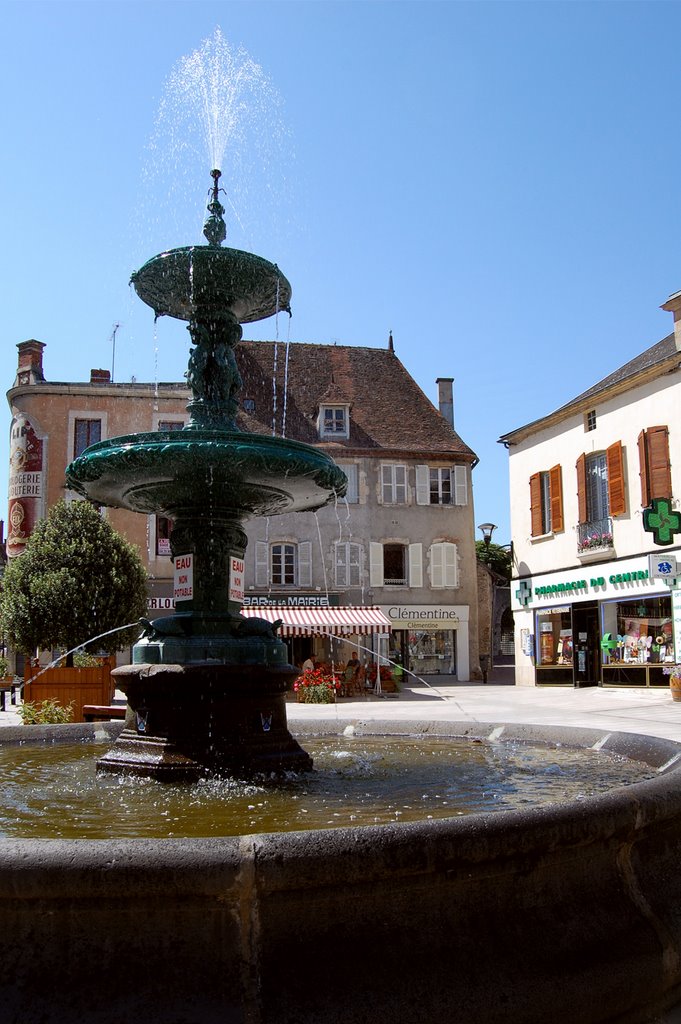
<point x="341" y="621"/>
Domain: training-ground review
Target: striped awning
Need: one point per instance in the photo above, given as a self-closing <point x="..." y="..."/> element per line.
<point x="342" y="621"/>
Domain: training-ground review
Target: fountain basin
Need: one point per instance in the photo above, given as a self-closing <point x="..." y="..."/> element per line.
<point x="168" y="472"/>
<point x="566" y="913"/>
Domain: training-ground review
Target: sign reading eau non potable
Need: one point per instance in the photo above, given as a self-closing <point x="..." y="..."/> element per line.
<point x="183" y="589"/>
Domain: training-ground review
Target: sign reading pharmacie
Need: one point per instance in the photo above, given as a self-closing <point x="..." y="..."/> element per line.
<point x="630" y="576"/>
<point x="425" y="616"/>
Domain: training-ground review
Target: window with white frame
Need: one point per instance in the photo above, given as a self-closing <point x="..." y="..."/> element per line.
<point x="441" y="486"/>
<point x="283" y="564"/>
<point x="333" y="421"/>
<point x="393" y="484"/>
<point x="351" y="470"/>
<point x="392" y="564"/>
<point x="444" y="569"/>
<point x="164" y="528"/>
<point x="348" y="564"/>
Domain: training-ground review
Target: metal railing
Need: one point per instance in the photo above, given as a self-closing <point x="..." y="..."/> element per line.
<point x="594" y="535"/>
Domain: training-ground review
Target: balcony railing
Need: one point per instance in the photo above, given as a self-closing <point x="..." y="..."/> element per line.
<point x="595" y="535"/>
<point x="394" y="582"/>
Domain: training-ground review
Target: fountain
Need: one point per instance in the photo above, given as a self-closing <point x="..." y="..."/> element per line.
<point x="207" y="687"/>
<point x="564" y="913"/>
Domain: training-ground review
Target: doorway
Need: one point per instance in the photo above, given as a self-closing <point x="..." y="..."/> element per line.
<point x="586" y="638"/>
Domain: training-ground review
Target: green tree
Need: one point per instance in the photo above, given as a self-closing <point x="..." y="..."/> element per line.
<point x="76" y="579"/>
<point x="498" y="559"/>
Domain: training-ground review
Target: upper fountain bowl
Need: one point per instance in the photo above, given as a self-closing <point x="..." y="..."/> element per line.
<point x="207" y="279"/>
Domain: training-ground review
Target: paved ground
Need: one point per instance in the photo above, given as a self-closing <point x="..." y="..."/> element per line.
<point x="648" y="711"/>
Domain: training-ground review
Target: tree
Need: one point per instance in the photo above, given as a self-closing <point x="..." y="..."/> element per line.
<point x="76" y="579"/>
<point x="495" y="557"/>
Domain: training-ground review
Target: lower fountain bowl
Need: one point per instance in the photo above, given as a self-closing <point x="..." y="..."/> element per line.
<point x="564" y="913"/>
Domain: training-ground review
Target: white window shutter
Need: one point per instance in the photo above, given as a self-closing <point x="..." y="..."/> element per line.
<point x="341" y="563"/>
<point x="460" y="485"/>
<point x="422" y="485"/>
<point x="351" y="472"/>
<point x="261" y="563"/>
<point x="305" y="564"/>
<point x="400" y="496"/>
<point x="451" y="574"/>
<point x="436" y="566"/>
<point x="355" y="556"/>
<point x="375" y="565"/>
<point x="416" y="565"/>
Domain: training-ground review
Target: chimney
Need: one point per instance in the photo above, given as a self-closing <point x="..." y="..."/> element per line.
<point x="445" y="398"/>
<point x="673" y="305"/>
<point x="100" y="376"/>
<point x="30" y="364"/>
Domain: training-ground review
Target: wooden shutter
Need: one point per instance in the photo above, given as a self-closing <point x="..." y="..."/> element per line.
<point x="617" y="500"/>
<point x="535" y="505"/>
<point x="422" y="485"/>
<point x="556" y="488"/>
<point x="416" y="565"/>
<point x="305" y="564"/>
<point x="581" y="488"/>
<point x="375" y="564"/>
<point x="659" y="468"/>
<point x="643" y="469"/>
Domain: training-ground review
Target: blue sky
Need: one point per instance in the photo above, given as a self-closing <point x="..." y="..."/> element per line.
<point x="496" y="183"/>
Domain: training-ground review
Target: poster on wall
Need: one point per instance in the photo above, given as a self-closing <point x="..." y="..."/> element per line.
<point x="26" y="483"/>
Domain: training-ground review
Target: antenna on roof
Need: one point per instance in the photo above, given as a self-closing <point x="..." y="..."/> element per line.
<point x="113" y="350"/>
<point x="391" y="347"/>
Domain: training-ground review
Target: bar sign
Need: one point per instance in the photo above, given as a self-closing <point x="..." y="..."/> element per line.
<point x="184" y="578"/>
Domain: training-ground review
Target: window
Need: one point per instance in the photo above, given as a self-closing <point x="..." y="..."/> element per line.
<point x="348" y="564"/>
<point x="164" y="528"/>
<point x="248" y="405"/>
<point x="396" y="565"/>
<point x="333" y="421"/>
<point x="546" y="502"/>
<point x="85" y="433"/>
<point x="443" y="566"/>
<point x="590" y="420"/>
<point x="170" y="425"/>
<point x="448" y="486"/>
<point x="393" y="484"/>
<point x="655" y="468"/>
<point x="600" y="485"/>
<point x="283" y="564"/>
<point x="351" y="470"/>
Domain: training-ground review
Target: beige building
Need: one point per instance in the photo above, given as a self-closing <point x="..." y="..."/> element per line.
<point x="402" y="539"/>
<point x="595" y="497"/>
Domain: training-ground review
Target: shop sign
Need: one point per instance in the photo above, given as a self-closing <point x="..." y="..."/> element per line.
<point x="662" y="567"/>
<point x="420" y="617"/>
<point x="291" y="600"/>
<point x="183" y="589"/>
<point x="527" y="643"/>
<point x="26" y="483"/>
<point x="610" y="584"/>
<point x="676" y="615"/>
<point x="160" y="604"/>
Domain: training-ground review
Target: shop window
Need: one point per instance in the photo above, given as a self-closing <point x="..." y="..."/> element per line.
<point x="443" y="566"/>
<point x="164" y="528"/>
<point x="351" y="470"/>
<point x="85" y="433"/>
<point x="396" y="565"/>
<point x="283" y="563"/>
<point x="554" y="637"/>
<point x="393" y="484"/>
<point x="441" y="486"/>
<point x="348" y="564"/>
<point x="546" y="502"/>
<point x="638" y="633"/>
<point x="432" y="652"/>
<point x="655" y="468"/>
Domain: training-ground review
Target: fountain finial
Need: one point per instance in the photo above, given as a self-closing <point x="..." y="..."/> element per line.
<point x="214" y="229"/>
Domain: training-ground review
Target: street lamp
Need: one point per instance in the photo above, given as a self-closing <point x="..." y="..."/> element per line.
<point x="487" y="531"/>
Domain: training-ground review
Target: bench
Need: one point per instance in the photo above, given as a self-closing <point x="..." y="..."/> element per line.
<point x="103" y="712"/>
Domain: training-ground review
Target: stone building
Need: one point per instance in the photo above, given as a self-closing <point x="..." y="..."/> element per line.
<point x="402" y="539"/>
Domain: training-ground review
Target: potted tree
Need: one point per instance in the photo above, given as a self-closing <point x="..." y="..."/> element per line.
<point x="76" y="583"/>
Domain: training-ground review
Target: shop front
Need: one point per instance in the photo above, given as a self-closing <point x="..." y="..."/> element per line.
<point x="617" y="628"/>
<point x="430" y="639"/>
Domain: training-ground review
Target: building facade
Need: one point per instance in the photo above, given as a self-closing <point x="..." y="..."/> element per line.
<point x="402" y="538"/>
<point x="595" y="489"/>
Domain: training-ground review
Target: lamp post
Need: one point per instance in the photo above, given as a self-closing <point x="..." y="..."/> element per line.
<point x="487" y="529"/>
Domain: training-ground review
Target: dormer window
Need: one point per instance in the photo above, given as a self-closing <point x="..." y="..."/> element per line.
<point x="333" y="421"/>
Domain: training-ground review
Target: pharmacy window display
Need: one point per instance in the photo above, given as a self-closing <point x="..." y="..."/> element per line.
<point x="554" y="645"/>
<point x="637" y="641"/>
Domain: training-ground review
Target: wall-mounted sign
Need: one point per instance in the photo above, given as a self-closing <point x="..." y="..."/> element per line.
<point x="26" y="483"/>
<point x="662" y="566"/>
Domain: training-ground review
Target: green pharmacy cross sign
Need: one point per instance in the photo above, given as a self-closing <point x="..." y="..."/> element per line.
<point x="661" y="520"/>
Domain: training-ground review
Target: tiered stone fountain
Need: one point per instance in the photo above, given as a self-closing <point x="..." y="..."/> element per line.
<point x="206" y="690"/>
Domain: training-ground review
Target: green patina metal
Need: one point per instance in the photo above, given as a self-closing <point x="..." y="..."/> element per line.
<point x="208" y="479"/>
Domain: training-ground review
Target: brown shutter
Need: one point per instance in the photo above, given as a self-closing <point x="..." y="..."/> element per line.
<point x="556" y="485"/>
<point x="659" y="469"/>
<point x="616" y="496"/>
<point x="535" y="505"/>
<point x="643" y="469"/>
<point x="581" y="488"/>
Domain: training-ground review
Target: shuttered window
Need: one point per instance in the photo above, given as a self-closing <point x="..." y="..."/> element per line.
<point x="443" y="566"/>
<point x="601" y="484"/>
<point x="546" y="502"/>
<point x="655" y="466"/>
<point x="616" y="486"/>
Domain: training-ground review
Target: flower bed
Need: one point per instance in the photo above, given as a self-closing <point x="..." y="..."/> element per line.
<point x="316" y="687"/>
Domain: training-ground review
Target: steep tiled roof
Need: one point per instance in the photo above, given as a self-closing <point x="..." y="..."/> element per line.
<point x="388" y="409"/>
<point x="658" y="354"/>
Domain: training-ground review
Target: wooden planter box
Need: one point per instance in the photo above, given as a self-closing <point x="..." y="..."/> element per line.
<point x="78" y="685"/>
